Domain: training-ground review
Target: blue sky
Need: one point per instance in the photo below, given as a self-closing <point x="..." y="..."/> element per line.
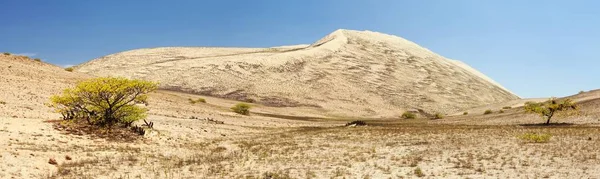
<point x="535" y="48"/>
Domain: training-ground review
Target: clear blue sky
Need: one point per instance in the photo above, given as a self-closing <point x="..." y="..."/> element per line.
<point x="535" y="48"/>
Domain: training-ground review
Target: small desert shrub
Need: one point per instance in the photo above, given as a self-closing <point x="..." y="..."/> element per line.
<point x="241" y="108"/>
<point x="535" y="138"/>
<point x="501" y="111"/>
<point x="2" y="102"/>
<point x="6" y="53"/>
<point x="37" y="60"/>
<point x="357" y="123"/>
<point x="409" y="115"/>
<point x="250" y="100"/>
<point x="438" y="116"/>
<point x="69" y="69"/>
<point x="199" y="100"/>
<point x="506" y="107"/>
<point x="581" y="92"/>
<point x="419" y="172"/>
<point x="489" y="111"/>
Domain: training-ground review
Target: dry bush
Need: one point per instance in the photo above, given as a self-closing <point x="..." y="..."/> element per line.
<point x="438" y="116"/>
<point x="69" y="69"/>
<point x="489" y="111"/>
<point x="409" y="115"/>
<point x="241" y="108"/>
<point x="465" y="113"/>
<point x="199" y="100"/>
<point x="535" y="138"/>
<point x="6" y="53"/>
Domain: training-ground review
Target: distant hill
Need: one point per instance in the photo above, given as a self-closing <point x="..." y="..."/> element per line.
<point x="356" y="73"/>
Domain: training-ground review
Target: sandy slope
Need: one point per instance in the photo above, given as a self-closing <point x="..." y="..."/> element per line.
<point x="348" y="73"/>
<point x="26" y="85"/>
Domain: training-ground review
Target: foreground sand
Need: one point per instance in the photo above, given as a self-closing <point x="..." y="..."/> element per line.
<point x="296" y="147"/>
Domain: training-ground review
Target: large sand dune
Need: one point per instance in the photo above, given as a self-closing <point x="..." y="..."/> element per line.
<point x="348" y="73"/>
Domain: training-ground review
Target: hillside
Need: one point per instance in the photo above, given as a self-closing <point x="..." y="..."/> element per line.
<point x="349" y="73"/>
<point x="26" y="85"/>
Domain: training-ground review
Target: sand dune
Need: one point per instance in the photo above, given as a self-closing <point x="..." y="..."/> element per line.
<point x="358" y="73"/>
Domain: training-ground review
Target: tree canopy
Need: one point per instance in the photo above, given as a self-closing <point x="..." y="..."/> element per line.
<point x="549" y="108"/>
<point x="105" y="101"/>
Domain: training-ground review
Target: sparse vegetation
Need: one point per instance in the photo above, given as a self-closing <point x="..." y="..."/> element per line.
<point x="6" y="53"/>
<point x="37" y="60"/>
<point x="438" y="116"/>
<point x="241" y="108"/>
<point x="549" y="108"/>
<point x="418" y="172"/>
<point x="535" y="137"/>
<point x="104" y="101"/>
<point x="409" y="115"/>
<point x="506" y="107"/>
<point x="501" y="111"/>
<point x="489" y="111"/>
<point x="69" y="69"/>
<point x="465" y="113"/>
<point x="2" y="102"/>
<point x="199" y="100"/>
<point x="357" y="123"/>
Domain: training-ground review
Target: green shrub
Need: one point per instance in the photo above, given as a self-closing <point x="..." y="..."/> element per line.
<point x="409" y="115"/>
<point x="105" y="101"/>
<point x="438" y="116"/>
<point x="241" y="108"/>
<point x="6" y="53"/>
<point x="489" y="111"/>
<point x="199" y="100"/>
<point x="506" y="107"/>
<point x="69" y="69"/>
<point x="465" y="113"/>
<point x="535" y="138"/>
<point x="37" y="60"/>
<point x="418" y="172"/>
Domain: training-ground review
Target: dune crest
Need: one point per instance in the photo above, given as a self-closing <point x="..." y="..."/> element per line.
<point x="357" y="73"/>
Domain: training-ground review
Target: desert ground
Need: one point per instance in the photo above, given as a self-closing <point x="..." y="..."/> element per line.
<point x="287" y="143"/>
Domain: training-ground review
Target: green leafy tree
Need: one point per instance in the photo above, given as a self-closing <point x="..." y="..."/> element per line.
<point x="550" y="108"/>
<point x="105" y="101"/>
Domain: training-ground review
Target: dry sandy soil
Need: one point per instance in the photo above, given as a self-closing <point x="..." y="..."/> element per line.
<point x="347" y="73"/>
<point x="284" y="142"/>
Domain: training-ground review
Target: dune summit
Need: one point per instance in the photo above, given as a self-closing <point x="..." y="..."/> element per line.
<point x="357" y="73"/>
